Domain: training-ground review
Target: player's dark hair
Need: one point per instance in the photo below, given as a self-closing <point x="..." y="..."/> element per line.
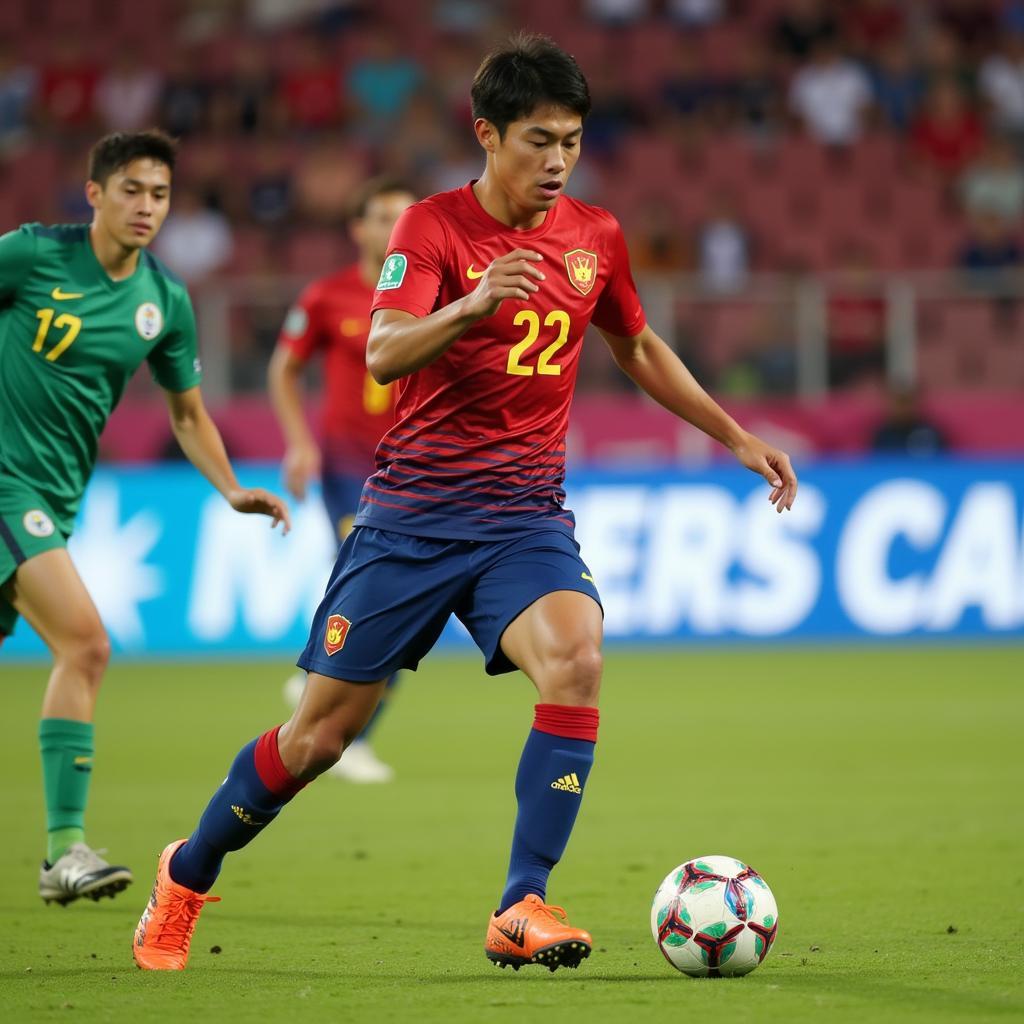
<point x="119" y="149"/>
<point x="527" y="72"/>
<point x="382" y="185"/>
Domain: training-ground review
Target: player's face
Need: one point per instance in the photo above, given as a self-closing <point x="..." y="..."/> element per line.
<point x="132" y="205"/>
<point x="533" y="161"/>
<point x="372" y="231"/>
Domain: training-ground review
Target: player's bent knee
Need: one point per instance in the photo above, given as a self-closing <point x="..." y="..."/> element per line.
<point x="88" y="655"/>
<point x="574" y="678"/>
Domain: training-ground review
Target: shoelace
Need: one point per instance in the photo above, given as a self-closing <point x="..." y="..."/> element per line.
<point x="179" y="919"/>
<point x="554" y="911"/>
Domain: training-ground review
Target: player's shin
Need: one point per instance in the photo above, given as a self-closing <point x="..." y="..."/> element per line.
<point x="256" y="789"/>
<point x="552" y="775"/>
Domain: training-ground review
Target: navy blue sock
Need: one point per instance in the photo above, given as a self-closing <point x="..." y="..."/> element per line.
<point x="552" y="775"/>
<point x="250" y="798"/>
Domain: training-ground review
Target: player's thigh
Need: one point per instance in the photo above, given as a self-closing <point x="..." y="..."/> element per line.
<point x="387" y="601"/>
<point x="48" y="593"/>
<point x="334" y="708"/>
<point x="535" y="607"/>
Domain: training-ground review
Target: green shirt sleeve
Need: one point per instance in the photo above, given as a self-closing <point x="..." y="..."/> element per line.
<point x="17" y="256"/>
<point x="174" y="361"/>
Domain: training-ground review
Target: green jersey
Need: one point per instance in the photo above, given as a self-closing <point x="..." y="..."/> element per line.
<point x="70" y="339"/>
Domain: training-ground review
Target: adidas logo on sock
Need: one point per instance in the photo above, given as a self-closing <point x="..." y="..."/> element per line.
<point x="569" y="783"/>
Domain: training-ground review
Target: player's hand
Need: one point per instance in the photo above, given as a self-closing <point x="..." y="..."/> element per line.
<point x="301" y="464"/>
<point x="255" y="499"/>
<point x="515" y="276"/>
<point x="774" y="465"/>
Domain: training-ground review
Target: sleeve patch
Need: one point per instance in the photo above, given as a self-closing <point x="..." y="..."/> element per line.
<point x="296" y="322"/>
<point x="393" y="272"/>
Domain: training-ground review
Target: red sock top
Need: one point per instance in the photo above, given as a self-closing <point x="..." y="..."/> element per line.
<point x="271" y="769"/>
<point x="562" y="720"/>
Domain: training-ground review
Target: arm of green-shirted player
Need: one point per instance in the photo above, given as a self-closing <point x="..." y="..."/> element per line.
<point x="17" y="256"/>
<point x="652" y="365"/>
<point x="202" y="444"/>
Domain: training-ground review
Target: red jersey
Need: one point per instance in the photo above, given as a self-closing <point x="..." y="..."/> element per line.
<point x="332" y="316"/>
<point x="478" y="447"/>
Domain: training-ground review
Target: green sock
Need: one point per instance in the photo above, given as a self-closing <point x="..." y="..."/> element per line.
<point x="67" y="749"/>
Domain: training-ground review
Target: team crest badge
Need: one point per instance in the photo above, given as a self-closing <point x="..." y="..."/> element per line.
<point x="37" y="523"/>
<point x="334" y="636"/>
<point x="392" y="274"/>
<point x="581" y="266"/>
<point x="149" y="321"/>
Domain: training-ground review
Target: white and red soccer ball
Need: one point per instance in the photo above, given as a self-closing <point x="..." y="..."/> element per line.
<point x="714" y="917"/>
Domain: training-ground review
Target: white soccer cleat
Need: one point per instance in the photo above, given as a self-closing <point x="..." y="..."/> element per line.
<point x="81" y="871"/>
<point x="360" y="764"/>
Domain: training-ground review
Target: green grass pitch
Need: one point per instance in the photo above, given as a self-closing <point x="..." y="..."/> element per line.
<point x="878" y="790"/>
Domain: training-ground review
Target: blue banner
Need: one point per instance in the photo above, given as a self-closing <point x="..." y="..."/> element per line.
<point x="872" y="549"/>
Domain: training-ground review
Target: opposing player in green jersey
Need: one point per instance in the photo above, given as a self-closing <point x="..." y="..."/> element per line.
<point x="81" y="307"/>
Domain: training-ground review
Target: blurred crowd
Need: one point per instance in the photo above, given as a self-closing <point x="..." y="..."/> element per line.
<point x="729" y="136"/>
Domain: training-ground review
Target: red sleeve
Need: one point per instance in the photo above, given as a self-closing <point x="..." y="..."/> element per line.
<point x="300" y="331"/>
<point x="411" y="276"/>
<point x="618" y="310"/>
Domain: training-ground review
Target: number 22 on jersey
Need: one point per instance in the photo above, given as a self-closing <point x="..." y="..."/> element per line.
<point x="73" y="325"/>
<point x="557" y="318"/>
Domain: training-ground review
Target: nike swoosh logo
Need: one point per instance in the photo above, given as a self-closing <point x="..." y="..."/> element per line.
<point x="516" y="935"/>
<point x="473" y="274"/>
<point x="58" y="296"/>
<point x="587" y="577"/>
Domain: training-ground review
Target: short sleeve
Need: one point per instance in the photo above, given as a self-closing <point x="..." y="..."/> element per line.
<point x="301" y="331"/>
<point x="411" y="275"/>
<point x="174" y="360"/>
<point x="618" y="310"/>
<point x="17" y="255"/>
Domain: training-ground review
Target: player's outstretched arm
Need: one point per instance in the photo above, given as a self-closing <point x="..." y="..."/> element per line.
<point x="203" y="446"/>
<point x="401" y="343"/>
<point x="653" y="366"/>
<point x="302" y="453"/>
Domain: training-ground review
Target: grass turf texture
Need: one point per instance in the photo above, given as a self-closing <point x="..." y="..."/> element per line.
<point x="878" y="791"/>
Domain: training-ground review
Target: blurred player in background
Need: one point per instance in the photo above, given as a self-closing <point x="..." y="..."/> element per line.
<point x="82" y="306"/>
<point x="481" y="306"/>
<point x="332" y="317"/>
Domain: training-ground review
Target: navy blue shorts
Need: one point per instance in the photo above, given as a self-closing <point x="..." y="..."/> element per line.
<point x="341" y="493"/>
<point x="391" y="594"/>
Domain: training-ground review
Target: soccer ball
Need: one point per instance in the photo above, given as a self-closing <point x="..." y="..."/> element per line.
<point x="714" y="917"/>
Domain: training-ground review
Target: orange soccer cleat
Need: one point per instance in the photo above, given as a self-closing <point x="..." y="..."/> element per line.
<point x="164" y="931"/>
<point x="530" y="932"/>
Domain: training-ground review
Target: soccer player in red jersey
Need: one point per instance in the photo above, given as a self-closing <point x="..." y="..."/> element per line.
<point x="332" y="317"/>
<point x="479" y="315"/>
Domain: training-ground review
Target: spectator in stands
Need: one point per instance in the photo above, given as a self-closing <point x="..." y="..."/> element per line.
<point x="195" y="241"/>
<point x="127" y="93"/>
<point x="801" y="26"/>
<point x="872" y="25"/>
<point x="67" y="88"/>
<point x="326" y="180"/>
<point x="616" y="13"/>
<point x="271" y="186"/>
<point x="943" y="58"/>
<point x="690" y="89"/>
<point x="948" y="133"/>
<point x="18" y="84"/>
<point x="311" y="87"/>
<point x="990" y="256"/>
<point x="898" y="85"/>
<point x="655" y="238"/>
<point x="723" y="247"/>
<point x="1001" y="83"/>
<point x="186" y="92"/>
<point x="973" y="22"/>
<point x="994" y="182"/>
<point x="753" y="93"/>
<point x="906" y="428"/>
<point x="244" y="99"/>
<point x="694" y="14"/>
<point x="856" y="320"/>
<point x="452" y="68"/>
<point x="381" y="83"/>
<point x="615" y="112"/>
<point x="831" y="96"/>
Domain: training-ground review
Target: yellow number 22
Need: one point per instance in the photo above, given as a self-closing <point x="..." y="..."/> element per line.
<point x="556" y="318"/>
<point x="45" y="317"/>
